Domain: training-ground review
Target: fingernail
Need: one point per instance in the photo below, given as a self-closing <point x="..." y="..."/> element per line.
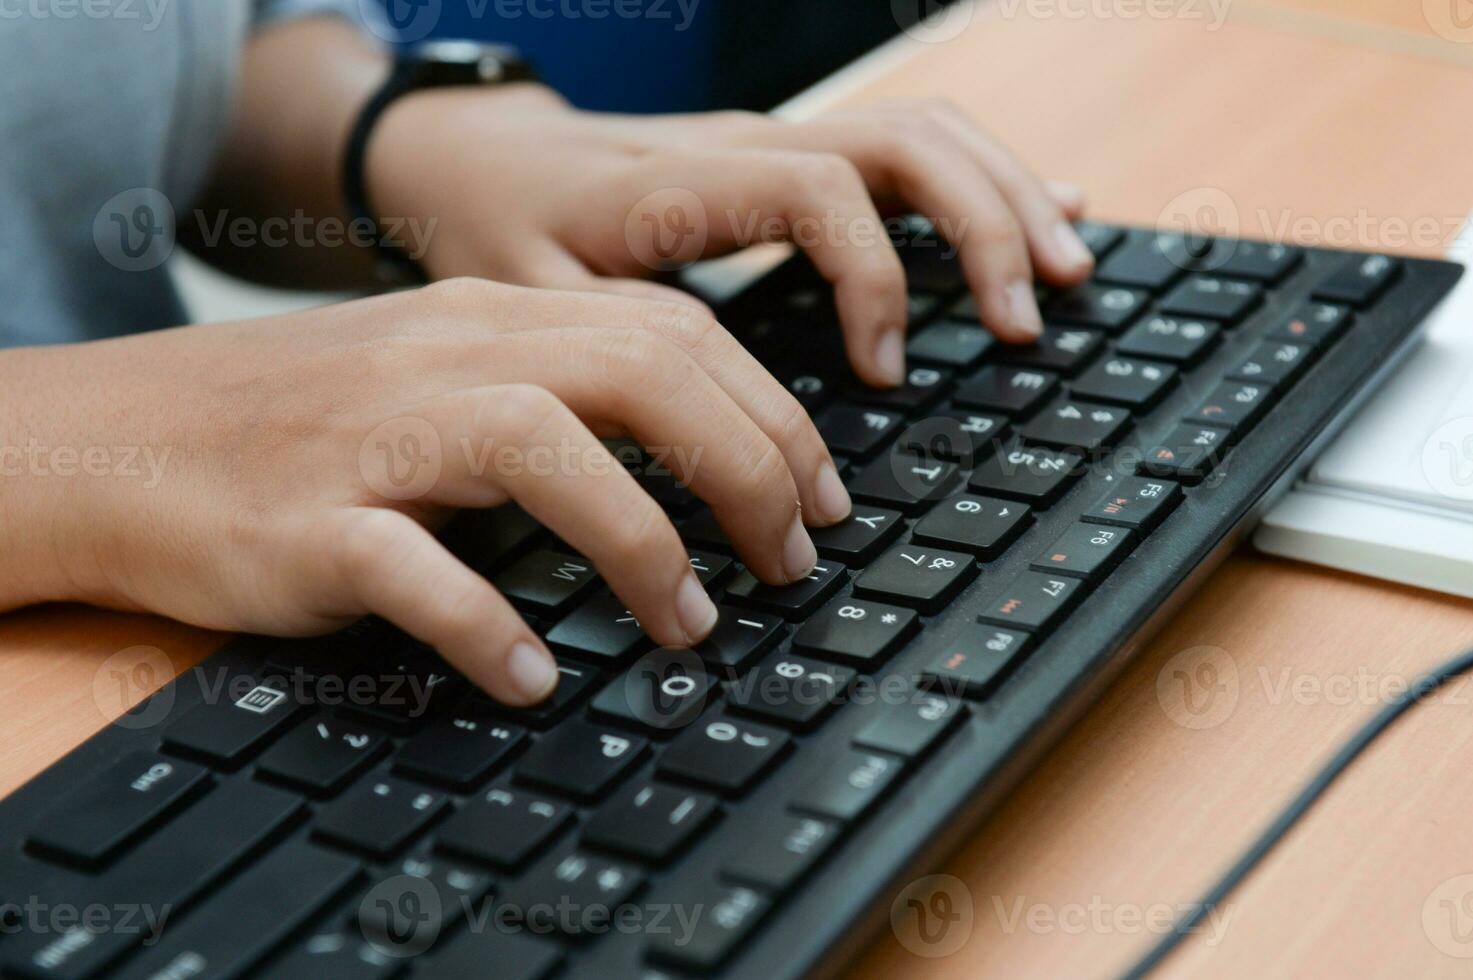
<point x="695" y="609"/>
<point x="1071" y="247"/>
<point x="830" y="498"/>
<point x="532" y="672"/>
<point x="1023" y="309"/>
<point x="799" y="556"/>
<point x="890" y="356"/>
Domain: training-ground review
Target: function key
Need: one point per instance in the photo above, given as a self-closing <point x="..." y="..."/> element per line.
<point x="860" y="536"/>
<point x="1097" y="305"/>
<point x="1126" y="381"/>
<point x="956" y="435"/>
<point x="985" y="526"/>
<point x="1031" y="474"/>
<point x="664" y="690"/>
<point x="1233" y="404"/>
<point x="547" y="582"/>
<point x="1011" y="391"/>
<point x="906" y="482"/>
<point x="1086" y="551"/>
<point x="795" y="601"/>
<point x="1313" y="324"/>
<point x="1138" y="503"/>
<point x="1149" y="261"/>
<point x="1070" y="424"/>
<point x="950" y="343"/>
<point x="1169" y="338"/>
<point x="852" y="430"/>
<point x="580" y="760"/>
<point x="649" y="821"/>
<point x="972" y="663"/>
<point x="1273" y="362"/>
<point x="856" y="630"/>
<point x="1210" y="297"/>
<point x="379" y="816"/>
<point x="1098" y="238"/>
<point x="923" y="387"/>
<point x="601" y="629"/>
<point x="503" y="826"/>
<point x="1034" y="602"/>
<point x="1187" y="453"/>
<point x="844" y="788"/>
<point x="917" y="575"/>
<point x="912" y="728"/>
<point x="725" y="754"/>
<point x="1360" y="280"/>
<point x="791" y="690"/>
<point x="1262" y="261"/>
<point x="1063" y="349"/>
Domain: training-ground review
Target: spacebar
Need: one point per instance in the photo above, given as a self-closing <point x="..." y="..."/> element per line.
<point x="150" y="884"/>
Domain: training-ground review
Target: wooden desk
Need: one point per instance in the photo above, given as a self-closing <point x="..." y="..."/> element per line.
<point x="1301" y="114"/>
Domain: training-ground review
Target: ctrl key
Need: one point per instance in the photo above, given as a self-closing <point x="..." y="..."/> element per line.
<point x="845" y="787"/>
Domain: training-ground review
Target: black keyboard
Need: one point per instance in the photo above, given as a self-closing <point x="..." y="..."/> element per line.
<point x="1024" y="518"/>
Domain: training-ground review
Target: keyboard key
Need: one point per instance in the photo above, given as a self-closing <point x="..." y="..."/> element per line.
<point x="459" y="752"/>
<point x="1031" y="474"/>
<point x="1233" y="405"/>
<point x="1095" y="305"/>
<point x="972" y="663"/>
<point x="504" y="826"/>
<point x="950" y="343"/>
<point x="571" y="893"/>
<point x="516" y="956"/>
<point x="1168" y="338"/>
<point x="575" y="681"/>
<point x="1098" y="238"/>
<point x="489" y="540"/>
<point x="1065" y="350"/>
<point x="1138" y="385"/>
<point x="1035" y="602"/>
<point x="905" y="482"/>
<point x="917" y="575"/>
<point x="856" y="630"/>
<point x="1138" y="503"/>
<point x="844" y="787"/>
<point x="1071" y="424"/>
<point x="852" y="430"/>
<point x="1273" y="362"/>
<point x="663" y="691"/>
<point x="710" y="568"/>
<point x="725" y="754"/>
<point x="580" y="760"/>
<point x="649" y="821"/>
<point x="1313" y="324"/>
<point x="601" y="630"/>
<point x="912" y="728"/>
<point x="984" y="526"/>
<point x="733" y="911"/>
<point x="796" y="601"/>
<point x="813" y="390"/>
<point x="380" y="816"/>
<point x="1253" y="260"/>
<point x="791" y="690"/>
<point x="775" y="852"/>
<point x="1086" y="551"/>
<point x="1147" y="260"/>
<point x="861" y="536"/>
<point x="320" y="756"/>
<point x="97" y="819"/>
<point x="931" y="265"/>
<point x="1011" y="391"/>
<point x="921" y="306"/>
<point x="408" y="693"/>
<point x="412" y="905"/>
<point x="227" y="730"/>
<point x="1360" y="281"/>
<point x="547" y="582"/>
<point x="1213" y="298"/>
<point x="740" y="636"/>
<point x="1187" y="453"/>
<point x="923" y="387"/>
<point x="335" y="955"/>
<point x="955" y="435"/>
<point x="250" y="916"/>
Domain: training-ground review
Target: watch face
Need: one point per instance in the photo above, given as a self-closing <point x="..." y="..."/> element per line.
<point x="461" y="62"/>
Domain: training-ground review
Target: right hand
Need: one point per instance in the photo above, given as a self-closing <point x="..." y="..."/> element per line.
<point x="271" y="515"/>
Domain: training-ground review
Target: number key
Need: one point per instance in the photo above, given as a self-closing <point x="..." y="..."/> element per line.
<point x="856" y="630"/>
<point x="984" y="526"/>
<point x="917" y="575"/>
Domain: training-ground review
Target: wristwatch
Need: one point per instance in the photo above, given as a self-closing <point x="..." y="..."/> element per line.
<point x="427" y="65"/>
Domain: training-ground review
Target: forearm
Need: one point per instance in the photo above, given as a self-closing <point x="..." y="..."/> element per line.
<point x="302" y="85"/>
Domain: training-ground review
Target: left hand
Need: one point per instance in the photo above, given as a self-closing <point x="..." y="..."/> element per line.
<point x="527" y="190"/>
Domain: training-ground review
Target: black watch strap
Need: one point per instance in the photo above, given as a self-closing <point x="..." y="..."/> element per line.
<point x="436" y="64"/>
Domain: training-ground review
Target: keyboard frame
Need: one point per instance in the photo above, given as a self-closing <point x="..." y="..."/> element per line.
<point x="833" y="914"/>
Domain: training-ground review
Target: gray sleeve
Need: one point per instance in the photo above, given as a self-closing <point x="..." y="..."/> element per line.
<point x="272" y="11"/>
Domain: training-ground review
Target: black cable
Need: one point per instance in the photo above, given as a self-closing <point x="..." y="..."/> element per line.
<point x="1291" y="814"/>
